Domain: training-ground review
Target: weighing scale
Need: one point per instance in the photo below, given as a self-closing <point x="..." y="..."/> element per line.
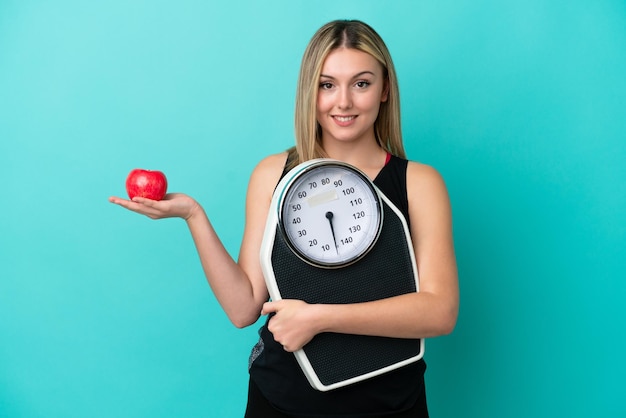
<point x="333" y="237"/>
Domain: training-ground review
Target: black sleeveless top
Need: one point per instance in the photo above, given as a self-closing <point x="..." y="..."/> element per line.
<point x="282" y="382"/>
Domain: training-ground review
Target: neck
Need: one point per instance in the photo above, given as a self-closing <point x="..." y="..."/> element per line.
<point x="368" y="158"/>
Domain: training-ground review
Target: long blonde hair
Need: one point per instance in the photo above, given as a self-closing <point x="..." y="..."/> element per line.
<point x="349" y="34"/>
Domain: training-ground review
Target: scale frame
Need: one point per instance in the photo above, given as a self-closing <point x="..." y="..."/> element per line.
<point x="327" y="360"/>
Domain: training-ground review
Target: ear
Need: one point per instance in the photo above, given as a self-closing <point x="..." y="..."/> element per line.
<point x="385" y="94"/>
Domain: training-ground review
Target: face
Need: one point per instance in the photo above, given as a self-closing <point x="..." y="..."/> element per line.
<point x="352" y="87"/>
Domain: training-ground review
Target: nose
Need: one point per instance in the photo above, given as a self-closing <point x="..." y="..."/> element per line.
<point x="344" y="99"/>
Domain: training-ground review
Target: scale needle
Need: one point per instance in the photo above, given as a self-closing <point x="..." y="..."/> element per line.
<point x="329" y="216"/>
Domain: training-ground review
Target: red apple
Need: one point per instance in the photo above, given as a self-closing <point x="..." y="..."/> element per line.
<point x="150" y="184"/>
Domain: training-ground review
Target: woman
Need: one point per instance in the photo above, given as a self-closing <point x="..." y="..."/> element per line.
<point x="347" y="108"/>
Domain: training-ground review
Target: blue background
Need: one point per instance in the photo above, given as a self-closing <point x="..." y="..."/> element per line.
<point x="519" y="104"/>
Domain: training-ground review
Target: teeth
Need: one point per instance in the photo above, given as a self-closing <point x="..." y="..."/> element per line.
<point x="344" y="118"/>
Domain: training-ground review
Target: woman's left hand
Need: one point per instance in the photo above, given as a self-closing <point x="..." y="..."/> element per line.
<point x="293" y="324"/>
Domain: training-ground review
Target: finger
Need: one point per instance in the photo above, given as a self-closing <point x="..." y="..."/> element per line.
<point x="132" y="205"/>
<point x="144" y="201"/>
<point x="128" y="204"/>
<point x="269" y="307"/>
<point x="116" y="200"/>
<point x="290" y="348"/>
<point x="266" y="308"/>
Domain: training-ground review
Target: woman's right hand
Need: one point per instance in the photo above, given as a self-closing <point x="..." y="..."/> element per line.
<point x="173" y="205"/>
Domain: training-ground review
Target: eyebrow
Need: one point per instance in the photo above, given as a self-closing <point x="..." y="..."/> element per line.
<point x="354" y="76"/>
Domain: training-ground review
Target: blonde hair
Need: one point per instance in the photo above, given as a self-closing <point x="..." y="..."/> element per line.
<point x="349" y="34"/>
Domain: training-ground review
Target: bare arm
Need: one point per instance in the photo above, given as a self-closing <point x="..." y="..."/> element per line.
<point x="431" y="312"/>
<point x="260" y="190"/>
<point x="238" y="286"/>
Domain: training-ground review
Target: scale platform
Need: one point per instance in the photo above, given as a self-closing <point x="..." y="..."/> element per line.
<point x="332" y="360"/>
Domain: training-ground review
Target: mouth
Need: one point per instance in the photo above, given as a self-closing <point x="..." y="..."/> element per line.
<point x="344" y="120"/>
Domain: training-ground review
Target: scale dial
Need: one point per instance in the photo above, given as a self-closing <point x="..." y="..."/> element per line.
<point x="330" y="214"/>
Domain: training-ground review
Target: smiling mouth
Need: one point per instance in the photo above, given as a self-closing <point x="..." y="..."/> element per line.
<point x="344" y="118"/>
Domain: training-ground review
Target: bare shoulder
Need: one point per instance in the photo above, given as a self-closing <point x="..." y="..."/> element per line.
<point x="266" y="174"/>
<point x="272" y="162"/>
<point x="426" y="191"/>
<point x="271" y="165"/>
<point x="424" y="178"/>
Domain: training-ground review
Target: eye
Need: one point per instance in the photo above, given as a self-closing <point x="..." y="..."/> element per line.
<point x="326" y="85"/>
<point x="362" y="84"/>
